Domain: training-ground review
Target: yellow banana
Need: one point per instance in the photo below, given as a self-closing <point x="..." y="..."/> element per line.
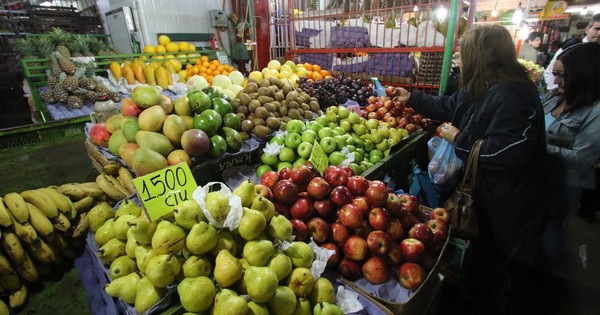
<point x="61" y="222"/>
<point x="42" y="252"/>
<point x="13" y="247"/>
<point x="118" y="185"/>
<point x="61" y="201"/>
<point x="5" y="217"/>
<point x="18" y="298"/>
<point x="27" y="270"/>
<point x="3" y="307"/>
<point x="73" y="191"/>
<point x="39" y="220"/>
<point x="111" y="169"/>
<point x="82" y="226"/>
<point x="84" y="204"/>
<point x="9" y="279"/>
<point x="63" y="247"/>
<point x="111" y="191"/>
<point x="127" y="178"/>
<point x="16" y="206"/>
<point x="41" y="201"/>
<point x="26" y="232"/>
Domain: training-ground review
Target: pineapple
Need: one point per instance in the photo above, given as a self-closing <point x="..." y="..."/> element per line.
<point x="100" y="87"/>
<point x="48" y="97"/>
<point x="61" y="94"/>
<point x="70" y="83"/>
<point x="44" y="46"/>
<point x="55" y="67"/>
<point x="51" y="79"/>
<point x="83" y="44"/>
<point x="59" y="38"/>
<point x="25" y="48"/>
<point x="74" y="101"/>
<point x="114" y="96"/>
<point x="87" y="83"/>
<point x="63" y="50"/>
<point x="95" y="45"/>
<point x="65" y="64"/>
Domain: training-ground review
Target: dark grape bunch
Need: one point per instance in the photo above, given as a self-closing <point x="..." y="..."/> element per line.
<point x="336" y="91"/>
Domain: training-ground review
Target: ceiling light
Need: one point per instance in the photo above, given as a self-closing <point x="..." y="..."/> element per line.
<point x="416" y="9"/>
<point x="495" y="11"/>
<point x="584" y="11"/>
<point x="518" y="15"/>
<point x="441" y="13"/>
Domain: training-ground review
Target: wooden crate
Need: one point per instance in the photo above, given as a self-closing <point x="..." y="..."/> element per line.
<point x="42" y="19"/>
<point x="99" y="161"/>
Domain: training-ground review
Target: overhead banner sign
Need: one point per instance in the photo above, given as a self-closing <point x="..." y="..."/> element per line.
<point x="555" y="10"/>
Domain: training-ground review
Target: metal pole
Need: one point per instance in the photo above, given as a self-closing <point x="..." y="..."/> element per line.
<point x="449" y="49"/>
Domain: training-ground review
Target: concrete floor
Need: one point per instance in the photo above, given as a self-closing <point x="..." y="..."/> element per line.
<point x="573" y="289"/>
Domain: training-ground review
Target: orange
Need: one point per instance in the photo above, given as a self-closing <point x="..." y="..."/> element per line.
<point x="309" y="74"/>
<point x="325" y="73"/>
<point x="205" y="64"/>
<point x="212" y="66"/>
<point x="308" y="66"/>
<point x="195" y="70"/>
<point x="216" y="72"/>
<point x="215" y="62"/>
<point x="316" y="68"/>
<point x="189" y="65"/>
<point x="202" y="69"/>
<point x="316" y="76"/>
<point x="204" y="58"/>
<point x="220" y="67"/>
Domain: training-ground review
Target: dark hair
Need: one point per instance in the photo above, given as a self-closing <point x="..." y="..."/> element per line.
<point x="533" y="35"/>
<point x="595" y="18"/>
<point x="488" y="57"/>
<point x="581" y="74"/>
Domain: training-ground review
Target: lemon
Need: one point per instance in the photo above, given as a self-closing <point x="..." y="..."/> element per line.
<point x="161" y="49"/>
<point x="184" y="46"/>
<point x="192" y="48"/>
<point x="172" y="47"/>
<point x="149" y="49"/>
<point x="182" y="74"/>
<point x="164" y="40"/>
<point x="169" y="56"/>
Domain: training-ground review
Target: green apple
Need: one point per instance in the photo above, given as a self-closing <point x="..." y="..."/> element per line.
<point x="359" y="129"/>
<point x="339" y="130"/>
<point x="362" y="152"/>
<point x="331" y="116"/>
<point x="363" y="167"/>
<point x="351" y="148"/>
<point x="349" y="139"/>
<point x="353" y="118"/>
<point x="332" y="125"/>
<point x="322" y="120"/>
<point x="403" y="132"/>
<point x="375" y="156"/>
<point x="292" y="140"/>
<point x="358" y="143"/>
<point x="328" y="144"/>
<point x="372" y="123"/>
<point x="336" y="158"/>
<point x="325" y="132"/>
<point x="299" y="161"/>
<point x="313" y="125"/>
<point x="358" y="156"/>
<point x="287" y="155"/>
<point x="278" y="140"/>
<point x="343" y="112"/>
<point x="346" y="125"/>
<point x="369" y="145"/>
<point x="269" y="159"/>
<point x="261" y="170"/>
<point x="294" y="125"/>
<point x="340" y="142"/>
<point x="356" y="168"/>
<point x="309" y="136"/>
<point x="305" y="149"/>
<point x="284" y="164"/>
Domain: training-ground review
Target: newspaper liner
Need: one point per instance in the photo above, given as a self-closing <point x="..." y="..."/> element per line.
<point x="232" y="221"/>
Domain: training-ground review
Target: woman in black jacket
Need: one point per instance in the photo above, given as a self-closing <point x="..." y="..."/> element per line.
<point x="497" y="102"/>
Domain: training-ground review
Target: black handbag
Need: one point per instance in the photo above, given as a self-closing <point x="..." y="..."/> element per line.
<point x="463" y="215"/>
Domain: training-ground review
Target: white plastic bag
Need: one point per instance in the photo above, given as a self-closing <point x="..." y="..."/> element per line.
<point x="232" y="221"/>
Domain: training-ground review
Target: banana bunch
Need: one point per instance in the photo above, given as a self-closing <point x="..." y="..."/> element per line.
<point x="116" y="182"/>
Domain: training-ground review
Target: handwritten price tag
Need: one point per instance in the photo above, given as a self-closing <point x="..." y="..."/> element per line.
<point x="164" y="189"/>
<point x="319" y="158"/>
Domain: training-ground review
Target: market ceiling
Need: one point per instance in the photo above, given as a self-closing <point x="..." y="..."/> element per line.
<point x="505" y="5"/>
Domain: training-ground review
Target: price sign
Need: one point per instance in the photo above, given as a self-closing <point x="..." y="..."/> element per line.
<point x="164" y="189"/>
<point x="319" y="158"/>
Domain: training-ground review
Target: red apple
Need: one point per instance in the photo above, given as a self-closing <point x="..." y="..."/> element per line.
<point x="350" y="216"/>
<point x="355" y="248"/>
<point x="379" y="218"/>
<point x="339" y="233"/>
<point x="282" y="209"/>
<point x="439" y="230"/>
<point x="411" y="275"/>
<point x="349" y="269"/>
<point x="341" y="196"/>
<point x="285" y="173"/>
<point x="325" y="208"/>
<point x="379" y="242"/>
<point x="358" y="185"/>
<point x="264" y="191"/>
<point x="376" y="195"/>
<point x="300" y="175"/>
<point x="407" y="219"/>
<point x="304" y="194"/>
<point x="421" y="216"/>
<point x="393" y="204"/>
<point x="392" y="121"/>
<point x="375" y="270"/>
<point x="394" y="255"/>
<point x="362" y="204"/>
<point x="372" y="99"/>
<point x="412" y="250"/>
<point x="421" y="232"/>
<point x="318" y="229"/>
<point x="318" y="188"/>
<point x="402" y="122"/>
<point x="300" y="230"/>
<point x="286" y="192"/>
<point x="410" y="202"/>
<point x="391" y="91"/>
<point x="441" y="214"/>
<point x="348" y="170"/>
<point x="416" y="119"/>
<point x="335" y="258"/>
<point x="335" y="176"/>
<point x="410" y="127"/>
<point x="395" y="230"/>
<point x="363" y="230"/>
<point x="302" y="209"/>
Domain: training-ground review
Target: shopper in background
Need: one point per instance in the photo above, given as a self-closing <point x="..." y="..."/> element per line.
<point x="529" y="50"/>
<point x="496" y="102"/>
<point x="572" y="129"/>
<point x="592" y="35"/>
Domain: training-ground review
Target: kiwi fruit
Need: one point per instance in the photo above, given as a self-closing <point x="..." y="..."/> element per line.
<point x="253" y="95"/>
<point x="276" y="104"/>
<point x="251" y="116"/>
<point x="264" y="91"/>
<point x="287" y="89"/>
<point x="254" y="104"/>
<point x="314" y="106"/>
<point x="283" y="111"/>
<point x="304" y="106"/>
<point x="241" y="116"/>
<point x="284" y="103"/>
<point x="293" y="104"/>
<point x="251" y="87"/>
<point x="264" y="83"/>
<point x="282" y="125"/>
<point x="286" y="118"/>
<point x="243" y="109"/>
<point x="314" y="99"/>
<point x="293" y="113"/>
<point x="261" y="131"/>
<point x="253" y="81"/>
<point x="235" y="103"/>
<point x="258" y="121"/>
<point x="301" y="112"/>
<point x="275" y="81"/>
<point x="264" y="99"/>
<point x="247" y="125"/>
<point x="305" y="96"/>
<point x="292" y="96"/>
<point x="273" y="89"/>
<point x="245" y="135"/>
<point x="261" y="112"/>
<point x="272" y="122"/>
<point x="269" y="107"/>
<point x="243" y="99"/>
<point x="308" y="114"/>
<point x="279" y="96"/>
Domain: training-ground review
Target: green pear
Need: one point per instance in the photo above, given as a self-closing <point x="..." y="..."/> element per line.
<point x="284" y="302"/>
<point x="122" y="266"/>
<point x="264" y="205"/>
<point x="280" y="228"/>
<point x="257" y="309"/>
<point x="147" y="295"/>
<point x="322" y="291"/>
<point x="228" y="269"/>
<point x="143" y="229"/>
<point x="201" y="239"/>
<point x="131" y="244"/>
<point x="124" y="288"/>
<point x="217" y="204"/>
<point x="162" y="270"/>
<point x="281" y="264"/>
<point x="258" y="253"/>
<point x="303" y="307"/>
<point x="301" y="281"/>
<point x="261" y="283"/>
<point x="227" y="302"/>
<point x="187" y="213"/>
<point x="127" y="206"/>
<point x="105" y="232"/>
<point x="252" y="224"/>
<point x="246" y="192"/>
<point x="301" y="254"/>
<point x="98" y="215"/>
<point x="121" y="226"/>
<point x="226" y="240"/>
<point x="196" y="294"/>
<point x="111" y="250"/>
<point x="168" y="238"/>
<point x="324" y="308"/>
<point x="143" y="254"/>
<point x="196" y="266"/>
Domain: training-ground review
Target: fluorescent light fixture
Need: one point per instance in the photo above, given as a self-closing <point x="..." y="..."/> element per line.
<point x="584" y="11"/>
<point x="441" y="13"/>
<point x="416" y="9"/>
<point x="494" y="13"/>
<point x="518" y="15"/>
<point x="46" y="3"/>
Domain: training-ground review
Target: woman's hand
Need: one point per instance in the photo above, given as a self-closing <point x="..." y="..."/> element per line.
<point x="403" y="94"/>
<point x="449" y="132"/>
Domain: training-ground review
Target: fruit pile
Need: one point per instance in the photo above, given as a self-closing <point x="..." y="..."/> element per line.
<point x="207" y="69"/>
<point x="155" y="73"/>
<point x="338" y="90"/>
<point x="152" y="132"/>
<point x="146" y="257"/>
<point x="230" y="84"/>
<point x="373" y="231"/>
<point x="338" y="130"/>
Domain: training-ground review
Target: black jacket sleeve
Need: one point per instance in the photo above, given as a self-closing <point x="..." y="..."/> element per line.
<point x="439" y="108"/>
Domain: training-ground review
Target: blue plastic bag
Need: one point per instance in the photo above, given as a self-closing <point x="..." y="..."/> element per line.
<point x="422" y="187"/>
<point x="445" y="167"/>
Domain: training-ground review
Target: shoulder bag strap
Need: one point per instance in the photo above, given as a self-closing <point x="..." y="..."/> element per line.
<point x="468" y="180"/>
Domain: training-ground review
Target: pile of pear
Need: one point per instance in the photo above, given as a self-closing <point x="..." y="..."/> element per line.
<point x="246" y="270"/>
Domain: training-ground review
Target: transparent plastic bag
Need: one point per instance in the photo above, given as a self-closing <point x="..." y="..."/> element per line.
<point x="445" y="167"/>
